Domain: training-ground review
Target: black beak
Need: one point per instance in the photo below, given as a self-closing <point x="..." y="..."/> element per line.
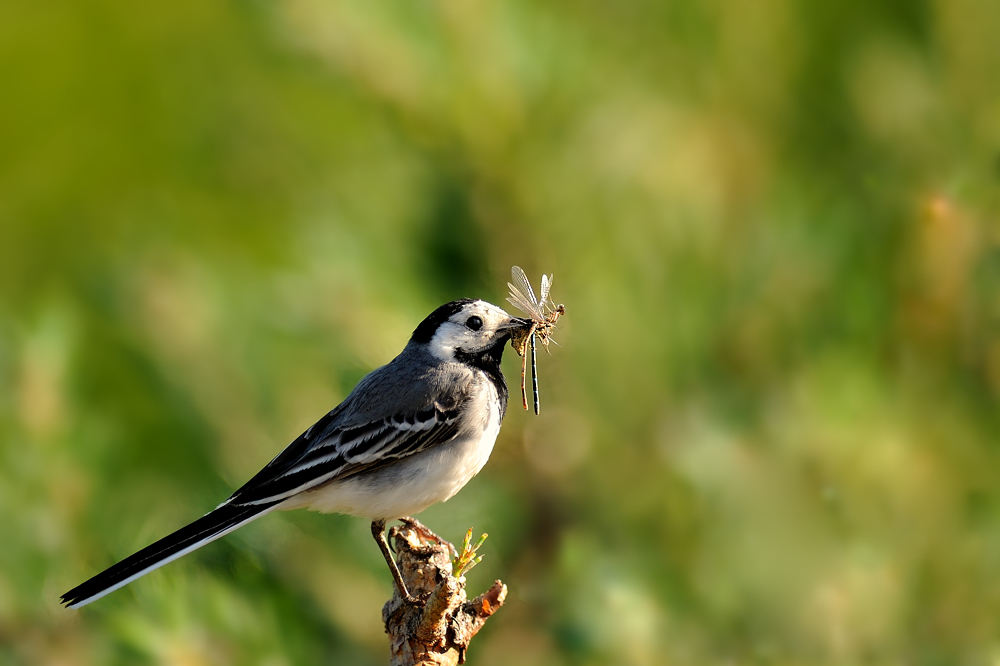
<point x="513" y="324"/>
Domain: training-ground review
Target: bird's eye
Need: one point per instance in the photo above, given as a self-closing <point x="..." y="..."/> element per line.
<point x="475" y="323"/>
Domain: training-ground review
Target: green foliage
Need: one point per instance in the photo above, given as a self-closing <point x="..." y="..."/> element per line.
<point x="769" y="434"/>
<point x="467" y="558"/>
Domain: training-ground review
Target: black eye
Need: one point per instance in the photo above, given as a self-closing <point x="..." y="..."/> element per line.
<point x="475" y="323"/>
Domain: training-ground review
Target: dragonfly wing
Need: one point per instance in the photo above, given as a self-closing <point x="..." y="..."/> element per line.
<point x="518" y="300"/>
<point x="522" y="284"/>
<point x="544" y="291"/>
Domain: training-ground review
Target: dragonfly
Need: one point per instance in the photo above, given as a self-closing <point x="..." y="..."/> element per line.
<point x="543" y="313"/>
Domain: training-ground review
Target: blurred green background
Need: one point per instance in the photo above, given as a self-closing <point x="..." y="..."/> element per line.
<point x="770" y="435"/>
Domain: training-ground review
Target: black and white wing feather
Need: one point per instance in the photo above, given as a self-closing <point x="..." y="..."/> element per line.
<point x="330" y="452"/>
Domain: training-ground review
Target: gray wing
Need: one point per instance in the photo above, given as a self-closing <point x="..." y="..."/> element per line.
<point x="390" y="415"/>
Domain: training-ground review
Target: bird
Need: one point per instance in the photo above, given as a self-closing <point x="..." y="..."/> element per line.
<point x="411" y="434"/>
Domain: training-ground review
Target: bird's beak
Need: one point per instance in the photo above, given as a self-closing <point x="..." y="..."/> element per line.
<point x="514" y="323"/>
<point x="513" y="329"/>
<point x="507" y="328"/>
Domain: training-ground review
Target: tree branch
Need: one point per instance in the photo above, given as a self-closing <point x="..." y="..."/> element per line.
<point x="438" y="630"/>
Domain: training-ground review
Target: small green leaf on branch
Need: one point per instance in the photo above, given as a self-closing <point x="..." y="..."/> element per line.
<point x="467" y="558"/>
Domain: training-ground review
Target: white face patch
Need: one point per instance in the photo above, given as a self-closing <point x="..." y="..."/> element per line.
<point x="456" y="334"/>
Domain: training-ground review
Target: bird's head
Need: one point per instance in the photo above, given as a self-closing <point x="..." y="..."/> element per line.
<point x="465" y="328"/>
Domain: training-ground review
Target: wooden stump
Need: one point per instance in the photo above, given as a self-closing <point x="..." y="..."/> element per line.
<point x="439" y="628"/>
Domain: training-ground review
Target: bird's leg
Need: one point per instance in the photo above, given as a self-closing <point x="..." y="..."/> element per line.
<point x="378" y="531"/>
<point x="426" y="533"/>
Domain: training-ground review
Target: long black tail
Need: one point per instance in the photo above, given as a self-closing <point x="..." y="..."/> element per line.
<point x="208" y="528"/>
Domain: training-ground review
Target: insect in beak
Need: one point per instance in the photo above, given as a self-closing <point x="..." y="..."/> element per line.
<point x="543" y="317"/>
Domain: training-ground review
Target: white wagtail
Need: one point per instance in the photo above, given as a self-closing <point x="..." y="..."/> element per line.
<point x="412" y="433"/>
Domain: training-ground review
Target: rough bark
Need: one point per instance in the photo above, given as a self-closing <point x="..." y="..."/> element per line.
<point x="438" y="629"/>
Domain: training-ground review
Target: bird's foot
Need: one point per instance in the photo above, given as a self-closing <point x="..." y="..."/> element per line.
<point x="410" y="600"/>
<point x="427" y="534"/>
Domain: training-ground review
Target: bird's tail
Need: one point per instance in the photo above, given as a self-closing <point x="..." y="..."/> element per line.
<point x="209" y="527"/>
